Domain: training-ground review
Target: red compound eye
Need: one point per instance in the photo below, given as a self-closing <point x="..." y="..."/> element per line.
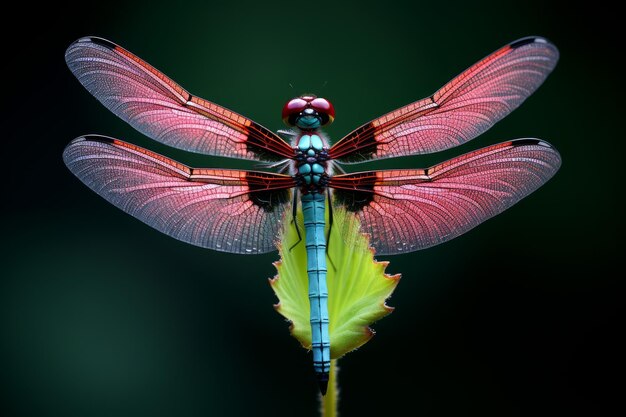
<point x="293" y="108"/>
<point x="324" y="107"/>
<point x="296" y="106"/>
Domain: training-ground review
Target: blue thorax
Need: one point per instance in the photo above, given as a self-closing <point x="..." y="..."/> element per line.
<point x="311" y="157"/>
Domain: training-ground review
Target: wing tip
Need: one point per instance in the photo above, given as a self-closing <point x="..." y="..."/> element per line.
<point x="541" y="143"/>
<point x="86" y="138"/>
<point x="537" y="40"/>
<point x="93" y="137"/>
<point x="86" y="41"/>
<point x="531" y="141"/>
<point x="93" y="40"/>
<point x="528" y="40"/>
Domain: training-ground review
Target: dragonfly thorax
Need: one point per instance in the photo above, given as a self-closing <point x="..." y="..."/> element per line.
<point x="311" y="164"/>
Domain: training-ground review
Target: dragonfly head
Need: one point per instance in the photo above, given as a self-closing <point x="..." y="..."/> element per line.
<point x="308" y="112"/>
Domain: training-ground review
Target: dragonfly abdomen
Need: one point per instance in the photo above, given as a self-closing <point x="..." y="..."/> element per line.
<point x="313" y="207"/>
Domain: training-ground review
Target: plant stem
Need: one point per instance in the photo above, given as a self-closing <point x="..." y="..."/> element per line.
<point x="330" y="401"/>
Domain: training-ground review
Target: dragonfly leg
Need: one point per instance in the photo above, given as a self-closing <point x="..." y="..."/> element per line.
<point x="294" y="219"/>
<point x="330" y="227"/>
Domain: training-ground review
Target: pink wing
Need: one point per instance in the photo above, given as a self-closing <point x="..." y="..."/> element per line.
<point x="408" y="210"/>
<point x="225" y="210"/>
<point x="161" y="109"/>
<point x="461" y="110"/>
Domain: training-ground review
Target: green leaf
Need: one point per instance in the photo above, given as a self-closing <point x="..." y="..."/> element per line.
<point x="357" y="284"/>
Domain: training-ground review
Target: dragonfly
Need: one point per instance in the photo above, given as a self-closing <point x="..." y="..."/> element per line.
<point x="242" y="211"/>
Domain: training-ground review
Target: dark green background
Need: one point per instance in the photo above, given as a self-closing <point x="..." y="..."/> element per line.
<point x="102" y="316"/>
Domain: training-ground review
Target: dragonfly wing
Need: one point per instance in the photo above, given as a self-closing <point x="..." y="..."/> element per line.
<point x="161" y="109"/>
<point x="408" y="210"/>
<point x="225" y="210"/>
<point x="461" y="110"/>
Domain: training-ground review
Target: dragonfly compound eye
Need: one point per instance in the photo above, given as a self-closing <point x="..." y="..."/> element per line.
<point x="324" y="108"/>
<point x="292" y="110"/>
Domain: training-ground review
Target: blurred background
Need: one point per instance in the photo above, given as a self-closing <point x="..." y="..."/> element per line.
<point x="101" y="315"/>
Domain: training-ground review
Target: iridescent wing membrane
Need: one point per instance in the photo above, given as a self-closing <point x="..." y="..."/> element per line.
<point x="161" y="109"/>
<point x="408" y="210"/>
<point x="242" y="211"/>
<point x="412" y="209"/>
<point x="226" y="210"/>
<point x="461" y="110"/>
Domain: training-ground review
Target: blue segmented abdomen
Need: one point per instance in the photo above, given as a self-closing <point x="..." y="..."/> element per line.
<point x="313" y="207"/>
